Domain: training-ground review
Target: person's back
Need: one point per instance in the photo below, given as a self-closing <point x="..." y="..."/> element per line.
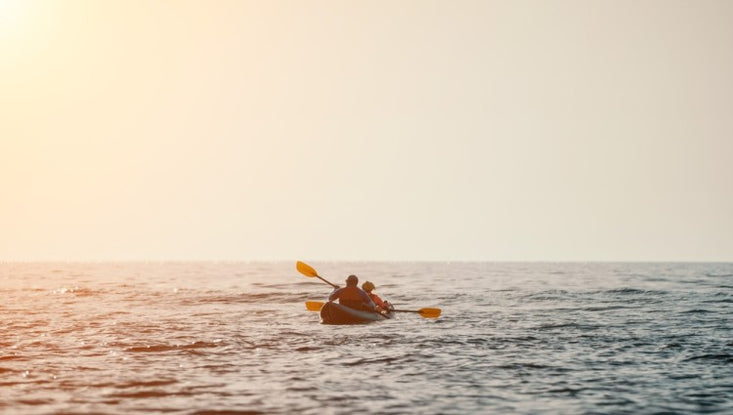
<point x="352" y="296"/>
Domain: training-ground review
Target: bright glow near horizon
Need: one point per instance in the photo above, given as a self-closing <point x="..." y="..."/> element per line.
<point x="409" y="130"/>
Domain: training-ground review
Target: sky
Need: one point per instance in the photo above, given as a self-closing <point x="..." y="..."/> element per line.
<point x="366" y="130"/>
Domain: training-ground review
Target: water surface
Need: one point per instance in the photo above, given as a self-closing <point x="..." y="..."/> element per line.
<point x="236" y="338"/>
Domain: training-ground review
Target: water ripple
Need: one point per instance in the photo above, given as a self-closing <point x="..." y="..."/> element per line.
<point x="234" y="338"/>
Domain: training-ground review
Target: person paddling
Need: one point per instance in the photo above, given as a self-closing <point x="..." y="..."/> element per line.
<point x="352" y="296"/>
<point x="382" y="306"/>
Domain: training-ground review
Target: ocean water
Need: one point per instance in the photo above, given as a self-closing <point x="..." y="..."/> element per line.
<point x="226" y="338"/>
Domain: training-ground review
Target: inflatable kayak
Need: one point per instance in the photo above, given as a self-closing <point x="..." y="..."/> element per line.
<point x="334" y="313"/>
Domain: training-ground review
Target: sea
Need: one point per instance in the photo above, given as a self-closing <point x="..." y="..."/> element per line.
<point x="236" y="338"/>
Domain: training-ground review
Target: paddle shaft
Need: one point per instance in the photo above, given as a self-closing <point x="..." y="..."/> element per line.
<point x="309" y="271"/>
<point x="327" y="282"/>
<point x="424" y="312"/>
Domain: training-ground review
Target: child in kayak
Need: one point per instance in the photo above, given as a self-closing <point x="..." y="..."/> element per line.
<point x="382" y="306"/>
<point x="352" y="296"/>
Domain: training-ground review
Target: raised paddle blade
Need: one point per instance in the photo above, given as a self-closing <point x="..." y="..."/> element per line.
<point x="306" y="269"/>
<point x="313" y="305"/>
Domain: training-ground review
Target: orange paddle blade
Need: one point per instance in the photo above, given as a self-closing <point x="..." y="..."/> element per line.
<point x="313" y="305"/>
<point x="430" y="312"/>
<point x="306" y="269"/>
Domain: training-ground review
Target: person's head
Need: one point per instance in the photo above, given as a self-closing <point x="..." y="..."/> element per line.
<point x="368" y="286"/>
<point x="352" y="280"/>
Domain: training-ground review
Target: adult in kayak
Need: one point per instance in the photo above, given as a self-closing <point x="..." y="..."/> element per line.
<point x="368" y="287"/>
<point x="352" y="296"/>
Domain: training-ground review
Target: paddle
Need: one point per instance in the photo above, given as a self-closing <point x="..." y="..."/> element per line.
<point x="424" y="312"/>
<point x="313" y="305"/>
<point x="308" y="271"/>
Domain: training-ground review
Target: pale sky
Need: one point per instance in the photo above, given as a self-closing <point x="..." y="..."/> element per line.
<point x="366" y="130"/>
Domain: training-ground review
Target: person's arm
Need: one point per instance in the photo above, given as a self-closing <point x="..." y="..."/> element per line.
<point x="335" y="294"/>
<point x="378" y="301"/>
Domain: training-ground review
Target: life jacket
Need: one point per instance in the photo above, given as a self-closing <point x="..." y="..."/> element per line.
<point x="378" y="301"/>
<point x="349" y="296"/>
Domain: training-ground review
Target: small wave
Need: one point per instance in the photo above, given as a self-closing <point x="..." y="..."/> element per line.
<point x="705" y="399"/>
<point x="606" y="308"/>
<point x="479" y="341"/>
<point x="339" y="340"/>
<point x="721" y="357"/>
<point x="302" y="388"/>
<point x="635" y="291"/>
<point x="200" y="345"/>
<point x="584" y="327"/>
<point x="143" y="394"/>
<point x="166" y="347"/>
<point x="696" y="311"/>
<point x="723" y="301"/>
<point x="161" y="382"/>
<point x="285" y="286"/>
<point x="547" y="295"/>
<point x="88" y="368"/>
<point x="701" y="395"/>
<point x="671" y="346"/>
<point x="515" y="366"/>
<point x="713" y="275"/>
<point x="567" y="391"/>
<point x="33" y="402"/>
<point x="683" y="376"/>
<point x="359" y="362"/>
<point x="77" y="291"/>
<point x="245" y="298"/>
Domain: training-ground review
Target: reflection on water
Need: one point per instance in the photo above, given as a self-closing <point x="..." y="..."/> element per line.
<point x="236" y="338"/>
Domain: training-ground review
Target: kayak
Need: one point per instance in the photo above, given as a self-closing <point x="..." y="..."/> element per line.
<point x="334" y="313"/>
